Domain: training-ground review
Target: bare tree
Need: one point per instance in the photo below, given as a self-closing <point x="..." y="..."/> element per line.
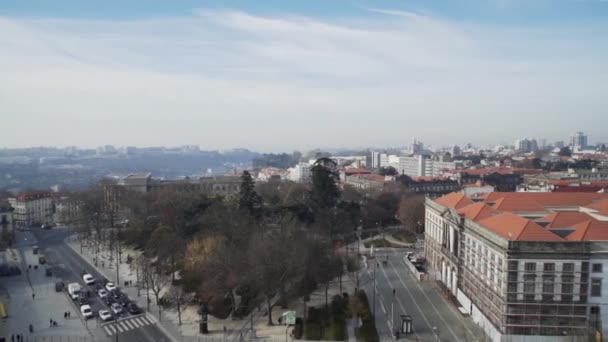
<point x="411" y="213"/>
<point x="156" y="280"/>
<point x="178" y="298"/>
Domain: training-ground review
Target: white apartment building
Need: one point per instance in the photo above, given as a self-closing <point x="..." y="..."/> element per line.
<point x="6" y="216"/>
<point x="300" y="173"/>
<point x="421" y="166"/>
<point x="32" y="208"/>
<point x="525" y="266"/>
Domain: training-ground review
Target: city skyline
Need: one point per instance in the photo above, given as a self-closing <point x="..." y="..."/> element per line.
<point x="283" y="77"/>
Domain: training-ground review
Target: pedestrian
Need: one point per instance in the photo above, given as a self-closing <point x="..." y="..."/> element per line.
<point x="50" y="322"/>
<point x="12" y="338"/>
<point x="18" y="338"/>
<point x="33" y="296"/>
<point x="65" y="315"/>
<point x="69" y="314"/>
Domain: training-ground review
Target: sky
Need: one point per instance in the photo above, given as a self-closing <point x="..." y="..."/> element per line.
<point x="282" y="75"/>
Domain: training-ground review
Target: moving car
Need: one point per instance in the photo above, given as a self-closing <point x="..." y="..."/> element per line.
<point x="59" y="286"/>
<point x="110" y="286"/>
<point x="116" y="309"/>
<point x="86" y="311"/>
<point x="49" y="272"/>
<point x="133" y="308"/>
<point x="105" y="315"/>
<point x="102" y="293"/>
<point x="41" y="260"/>
<point x="123" y="300"/>
<point x="88" y="279"/>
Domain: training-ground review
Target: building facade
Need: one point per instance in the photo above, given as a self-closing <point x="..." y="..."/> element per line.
<point x="6" y="216"/>
<point x="525" y="266"/>
<point x="32" y="208"/>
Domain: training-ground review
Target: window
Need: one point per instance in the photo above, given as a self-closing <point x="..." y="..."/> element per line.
<point x="549" y="267"/>
<point x="568" y="267"/>
<point x="596" y="268"/>
<point x="595" y="310"/>
<point x="529" y="287"/>
<point x="548" y="287"/>
<point x="530" y="267"/>
<point x="596" y="287"/>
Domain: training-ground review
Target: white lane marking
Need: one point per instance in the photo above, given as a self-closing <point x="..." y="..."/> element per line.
<point x="135" y="323"/>
<point x="130" y="324"/>
<point x="108" y="331"/>
<point x="111" y="327"/>
<point x="120" y="327"/>
<point x="145" y="320"/>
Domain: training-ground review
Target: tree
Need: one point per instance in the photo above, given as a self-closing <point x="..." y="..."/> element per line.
<point x="565" y="152"/>
<point x="178" y="298"/>
<point x="167" y="247"/>
<point x="324" y="192"/>
<point x="156" y="280"/>
<point x="411" y="213"/>
<point x="277" y="263"/>
<point x="249" y="200"/>
<point x="388" y="171"/>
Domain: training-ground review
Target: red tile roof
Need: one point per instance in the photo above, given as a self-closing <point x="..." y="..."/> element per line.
<point x="518" y="204"/>
<point x="453" y="200"/>
<point x="513" y="227"/>
<point x="501" y="169"/>
<point x="549" y="199"/>
<point x="476" y="211"/>
<point x="591" y="230"/>
<point x="599" y="205"/>
<point x="353" y="171"/>
<point x="564" y="219"/>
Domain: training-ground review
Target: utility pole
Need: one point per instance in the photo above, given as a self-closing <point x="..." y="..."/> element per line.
<point x="374" y="296"/>
<point x="393" y="310"/>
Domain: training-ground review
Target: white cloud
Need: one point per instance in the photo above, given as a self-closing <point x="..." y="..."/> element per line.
<point x="228" y="78"/>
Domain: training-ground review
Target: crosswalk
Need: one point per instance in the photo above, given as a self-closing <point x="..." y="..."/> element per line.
<point x="126" y="324"/>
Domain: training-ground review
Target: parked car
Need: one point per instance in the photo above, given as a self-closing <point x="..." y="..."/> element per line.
<point x="41" y="260"/>
<point x="111" y="286"/>
<point x="49" y="272"/>
<point x="116" y="308"/>
<point x="115" y="294"/>
<point x="123" y="300"/>
<point x="105" y="315"/>
<point x="86" y="311"/>
<point x="102" y="293"/>
<point x="88" y="279"/>
<point x="59" y="286"/>
<point x="133" y="309"/>
<point x="109" y="300"/>
<point x="35" y="249"/>
<point x="82" y="298"/>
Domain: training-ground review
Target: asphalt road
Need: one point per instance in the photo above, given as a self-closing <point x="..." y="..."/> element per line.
<point x="433" y="318"/>
<point x="68" y="266"/>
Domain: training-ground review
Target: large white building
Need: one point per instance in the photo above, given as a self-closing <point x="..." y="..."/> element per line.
<point x="525" y="266"/>
<point x="6" y="216"/>
<point x="300" y="173"/>
<point x="32" y="208"/>
<point x="578" y="141"/>
<point x="422" y="166"/>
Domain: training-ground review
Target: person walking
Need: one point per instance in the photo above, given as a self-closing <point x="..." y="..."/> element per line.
<point x="33" y="296"/>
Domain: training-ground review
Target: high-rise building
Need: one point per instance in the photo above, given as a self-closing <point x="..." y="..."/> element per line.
<point x="375" y="160"/>
<point x="526" y="145"/>
<point x="578" y="140"/>
<point x="416" y="146"/>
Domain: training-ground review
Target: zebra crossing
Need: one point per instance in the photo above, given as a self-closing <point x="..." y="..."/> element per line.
<point x="126" y="324"/>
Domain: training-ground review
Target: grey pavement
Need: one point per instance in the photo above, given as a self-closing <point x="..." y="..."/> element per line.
<point x="434" y="318"/>
<point x="47" y="304"/>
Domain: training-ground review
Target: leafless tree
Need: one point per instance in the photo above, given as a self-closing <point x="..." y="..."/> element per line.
<point x="178" y="298"/>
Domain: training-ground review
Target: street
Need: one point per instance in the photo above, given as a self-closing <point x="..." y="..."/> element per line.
<point x="434" y="318"/>
<point x="68" y="266"/>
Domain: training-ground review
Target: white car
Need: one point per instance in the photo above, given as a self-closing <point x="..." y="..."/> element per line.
<point x="110" y="286"/>
<point x="116" y="308"/>
<point x="88" y="279"/>
<point x="105" y="315"/>
<point x="86" y="311"/>
<point x="102" y="293"/>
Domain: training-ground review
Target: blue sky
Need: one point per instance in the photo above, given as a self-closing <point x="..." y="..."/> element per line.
<point x="278" y="75"/>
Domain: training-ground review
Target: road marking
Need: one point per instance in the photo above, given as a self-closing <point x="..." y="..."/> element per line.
<point x="108" y="331"/>
<point x="146" y="320"/>
<point x="119" y="327"/>
<point x="135" y="323"/>
<point x="128" y="323"/>
<point x="427" y="298"/>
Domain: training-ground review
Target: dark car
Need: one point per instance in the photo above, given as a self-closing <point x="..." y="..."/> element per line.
<point x="58" y="286"/>
<point x="82" y="299"/>
<point x="115" y="294"/>
<point x="133" y="309"/>
<point x="123" y="300"/>
<point x="41" y="260"/>
<point x="109" y="300"/>
<point x="49" y="272"/>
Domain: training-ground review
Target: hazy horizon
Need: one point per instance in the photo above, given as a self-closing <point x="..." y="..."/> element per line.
<point x="286" y="76"/>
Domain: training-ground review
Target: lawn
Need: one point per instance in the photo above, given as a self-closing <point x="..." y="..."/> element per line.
<point x="405" y="236"/>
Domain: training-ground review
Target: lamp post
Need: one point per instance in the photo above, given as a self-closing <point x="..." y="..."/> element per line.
<point x="374" y="291"/>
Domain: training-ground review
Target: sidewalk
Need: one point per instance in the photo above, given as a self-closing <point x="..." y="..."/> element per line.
<point x="188" y="331"/>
